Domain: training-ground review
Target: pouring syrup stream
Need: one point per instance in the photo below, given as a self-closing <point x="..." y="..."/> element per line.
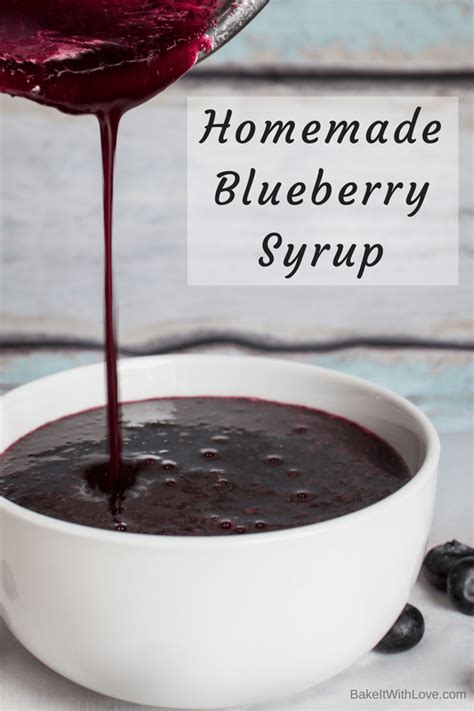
<point x="101" y="57"/>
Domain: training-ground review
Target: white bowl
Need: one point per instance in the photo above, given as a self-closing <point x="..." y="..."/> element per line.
<point x="208" y="622"/>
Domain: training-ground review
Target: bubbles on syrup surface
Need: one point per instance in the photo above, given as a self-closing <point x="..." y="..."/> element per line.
<point x="262" y="478"/>
<point x="294" y="473"/>
<point x="224" y="485"/>
<point x="209" y="453"/>
<point x="300" y="496"/>
<point x="148" y="459"/>
<point x="220" y="438"/>
<point x="274" y="460"/>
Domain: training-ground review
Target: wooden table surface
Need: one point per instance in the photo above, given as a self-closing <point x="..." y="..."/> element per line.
<point x="52" y="248"/>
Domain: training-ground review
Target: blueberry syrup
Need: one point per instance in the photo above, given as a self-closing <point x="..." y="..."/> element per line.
<point x="212" y="466"/>
<point x="101" y="57"/>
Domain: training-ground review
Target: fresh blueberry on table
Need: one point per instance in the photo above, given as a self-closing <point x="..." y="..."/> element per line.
<point x="405" y="634"/>
<point x="460" y="585"/>
<point x="441" y="559"/>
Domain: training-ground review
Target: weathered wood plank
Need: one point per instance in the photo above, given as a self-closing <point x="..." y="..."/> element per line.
<point x="51" y="261"/>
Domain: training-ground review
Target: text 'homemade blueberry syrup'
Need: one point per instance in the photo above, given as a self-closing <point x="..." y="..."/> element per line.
<point x="101" y="57"/>
<point x="213" y="466"/>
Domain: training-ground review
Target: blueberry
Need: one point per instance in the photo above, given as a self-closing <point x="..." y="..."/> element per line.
<point x="460" y="585"/>
<point x="405" y="633"/>
<point x="440" y="560"/>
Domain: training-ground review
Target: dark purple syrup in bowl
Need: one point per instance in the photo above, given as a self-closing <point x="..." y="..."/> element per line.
<point x="202" y="466"/>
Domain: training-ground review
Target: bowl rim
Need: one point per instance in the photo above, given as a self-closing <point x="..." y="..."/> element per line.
<point x="427" y="469"/>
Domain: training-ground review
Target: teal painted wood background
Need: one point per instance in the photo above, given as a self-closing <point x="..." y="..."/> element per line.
<point x="355" y="34"/>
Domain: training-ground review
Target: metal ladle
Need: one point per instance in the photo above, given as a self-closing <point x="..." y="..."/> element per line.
<point x="233" y="16"/>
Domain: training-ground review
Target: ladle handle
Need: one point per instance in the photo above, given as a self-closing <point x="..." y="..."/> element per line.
<point x="235" y="15"/>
